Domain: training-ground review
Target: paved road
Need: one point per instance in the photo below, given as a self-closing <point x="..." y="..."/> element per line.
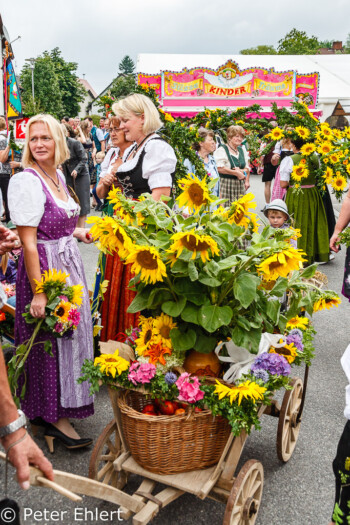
<point x="297" y="493"/>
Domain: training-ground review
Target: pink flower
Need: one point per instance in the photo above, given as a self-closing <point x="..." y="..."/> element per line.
<point x="63" y="298"/>
<point x="58" y="328"/>
<point x="141" y="372"/>
<point x="74" y="316"/>
<point x="189" y="390"/>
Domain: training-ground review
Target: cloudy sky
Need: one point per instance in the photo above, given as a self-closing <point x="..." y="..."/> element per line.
<point x="97" y="35"/>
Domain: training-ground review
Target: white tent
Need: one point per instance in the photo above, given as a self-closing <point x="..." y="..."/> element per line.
<point x="334" y="70"/>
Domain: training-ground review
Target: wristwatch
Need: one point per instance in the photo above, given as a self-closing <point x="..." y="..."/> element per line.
<point x="15" y="425"/>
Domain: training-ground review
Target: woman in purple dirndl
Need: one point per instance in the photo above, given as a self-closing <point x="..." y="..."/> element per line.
<point x="46" y="216"/>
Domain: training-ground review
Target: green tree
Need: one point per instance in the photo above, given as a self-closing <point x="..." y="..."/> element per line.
<point x="347" y="44"/>
<point x="298" y="43"/>
<point x="259" y="50"/>
<point x="47" y="96"/>
<point x="72" y="92"/>
<point x="127" y="66"/>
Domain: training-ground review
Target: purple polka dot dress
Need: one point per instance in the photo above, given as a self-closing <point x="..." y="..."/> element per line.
<point x="52" y="391"/>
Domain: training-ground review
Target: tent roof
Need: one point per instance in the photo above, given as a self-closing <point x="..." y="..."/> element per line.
<point x="334" y="70"/>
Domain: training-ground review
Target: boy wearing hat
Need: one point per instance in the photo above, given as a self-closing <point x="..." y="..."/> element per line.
<point x="278" y="216"/>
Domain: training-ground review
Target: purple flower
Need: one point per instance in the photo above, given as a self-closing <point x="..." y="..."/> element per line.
<point x="275" y="364"/>
<point x="296" y="340"/>
<point x="58" y="327"/>
<point x="170" y="378"/>
<point x="261" y="374"/>
<point x="296" y="331"/>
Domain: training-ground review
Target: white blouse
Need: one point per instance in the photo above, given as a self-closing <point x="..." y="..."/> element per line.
<point x="286" y="168"/>
<point x="158" y="164"/>
<point x="26" y="199"/>
<point x="223" y="162"/>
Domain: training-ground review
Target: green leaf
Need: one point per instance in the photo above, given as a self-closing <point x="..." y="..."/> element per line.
<point x="180" y="267"/>
<point x="140" y="302"/>
<point x="208" y="281"/>
<point x="192" y="271"/>
<point x="228" y="263"/>
<point x="190" y="313"/>
<point x="211" y="317"/>
<point x="247" y="339"/>
<point x="53" y="304"/>
<point x="280" y="287"/>
<point x="230" y="230"/>
<point x="193" y="291"/>
<point x="182" y="340"/>
<point x="309" y="271"/>
<point x="244" y="288"/>
<point x="174" y="308"/>
<point x="205" y="344"/>
<point x="48" y="347"/>
<point x="273" y="310"/>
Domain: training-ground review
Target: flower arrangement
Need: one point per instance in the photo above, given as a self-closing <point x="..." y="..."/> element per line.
<point x="193" y="276"/>
<point x="7" y="324"/>
<point x="61" y="319"/>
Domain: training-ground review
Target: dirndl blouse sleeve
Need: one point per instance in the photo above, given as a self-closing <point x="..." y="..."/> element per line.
<point x="158" y="164"/>
<point x="286" y="169"/>
<point x="221" y="158"/>
<point x="26" y="199"/>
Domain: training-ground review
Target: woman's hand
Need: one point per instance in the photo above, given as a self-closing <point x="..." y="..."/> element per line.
<point x="37" y="306"/>
<point x="247" y="184"/>
<point x="239" y="174"/>
<point x="115" y="166"/>
<point x="14" y="164"/>
<point x="333" y="242"/>
<point x="83" y="235"/>
<point x="275" y="159"/>
<point x="74" y="174"/>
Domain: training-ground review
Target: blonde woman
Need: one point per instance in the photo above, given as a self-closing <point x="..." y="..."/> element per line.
<point x="46" y="216"/>
<point x="233" y="165"/>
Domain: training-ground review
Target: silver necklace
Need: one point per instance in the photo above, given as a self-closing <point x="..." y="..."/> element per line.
<point x="49" y="176"/>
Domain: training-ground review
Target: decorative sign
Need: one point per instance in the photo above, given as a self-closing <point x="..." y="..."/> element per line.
<point x="20" y="129"/>
<point x="14" y="105"/>
<point x="228" y="86"/>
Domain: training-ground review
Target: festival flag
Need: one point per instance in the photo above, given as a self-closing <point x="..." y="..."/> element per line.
<point x="14" y="104"/>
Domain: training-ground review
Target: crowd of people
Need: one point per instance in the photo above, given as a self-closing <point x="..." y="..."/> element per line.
<point x="70" y="166"/>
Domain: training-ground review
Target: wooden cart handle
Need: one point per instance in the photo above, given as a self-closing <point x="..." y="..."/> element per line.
<point x="37" y="479"/>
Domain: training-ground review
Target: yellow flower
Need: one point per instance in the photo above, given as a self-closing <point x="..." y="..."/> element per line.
<point x="334" y="158"/>
<point x="339" y="183"/>
<point x="146" y="261"/>
<point x="194" y="243"/>
<point x="298" y="322"/>
<point x="168" y="117"/>
<point x="296" y="233"/>
<point x="326" y="130"/>
<point x="328" y="175"/>
<point x="162" y="326"/>
<point x="239" y="211"/>
<point x="289" y="352"/>
<point x="50" y="277"/>
<point x="62" y="310"/>
<point x="325" y="148"/>
<point x="114" y="197"/>
<point x="146" y="336"/>
<point x="254" y="223"/>
<point x="304" y="133"/>
<point x="248" y="390"/>
<point x="195" y="193"/>
<point x="326" y="301"/>
<point x="276" y="133"/>
<point x="346" y="133"/>
<point x="77" y="294"/>
<point x="111" y="364"/>
<point x="207" y="113"/>
<point x="281" y="263"/>
<point x="123" y="243"/>
<point x="299" y="172"/>
<point x="307" y="149"/>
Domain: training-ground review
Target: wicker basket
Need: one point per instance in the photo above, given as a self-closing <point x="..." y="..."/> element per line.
<point x="171" y="444"/>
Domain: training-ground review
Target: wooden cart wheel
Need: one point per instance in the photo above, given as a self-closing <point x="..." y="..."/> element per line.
<point x="245" y="497"/>
<point x="106" y="450"/>
<point x="289" y="421"/>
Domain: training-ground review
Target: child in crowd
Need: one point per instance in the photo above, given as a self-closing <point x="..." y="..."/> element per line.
<point x="99" y="159"/>
<point x="278" y="216"/>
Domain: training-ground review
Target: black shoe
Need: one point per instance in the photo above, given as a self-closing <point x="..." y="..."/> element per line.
<point x="52" y="432"/>
<point x="36" y="423"/>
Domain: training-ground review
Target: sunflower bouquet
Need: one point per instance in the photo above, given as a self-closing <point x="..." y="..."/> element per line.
<point x="62" y="317"/>
<point x="193" y="276"/>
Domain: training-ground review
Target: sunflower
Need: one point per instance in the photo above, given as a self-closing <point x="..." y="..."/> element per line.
<point x="162" y="326"/>
<point x="298" y="322"/>
<point x="247" y="390"/>
<point x="239" y="213"/>
<point x="328" y="175"/>
<point x="327" y="300"/>
<point x="114" y="197"/>
<point x="334" y="158"/>
<point x="207" y="113"/>
<point x="299" y="172"/>
<point x="339" y="183"/>
<point x="296" y="233"/>
<point x="303" y="133"/>
<point x="195" y="193"/>
<point x="346" y="133"/>
<point x="194" y="243"/>
<point x="77" y="297"/>
<point x="146" y="335"/>
<point x="146" y="261"/>
<point x="276" y="133"/>
<point x="62" y="310"/>
<point x="110" y="364"/>
<point x="103" y="232"/>
<point x="289" y="352"/>
<point x="325" y="148"/>
<point x="254" y="223"/>
<point x="221" y="212"/>
<point x="281" y="263"/>
<point x="307" y="149"/>
<point x="326" y="130"/>
<point x="156" y="353"/>
<point x="49" y="279"/>
<point x="168" y="117"/>
<point x="122" y="241"/>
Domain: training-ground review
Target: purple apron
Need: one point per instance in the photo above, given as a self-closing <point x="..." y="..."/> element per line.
<point x="52" y="390"/>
